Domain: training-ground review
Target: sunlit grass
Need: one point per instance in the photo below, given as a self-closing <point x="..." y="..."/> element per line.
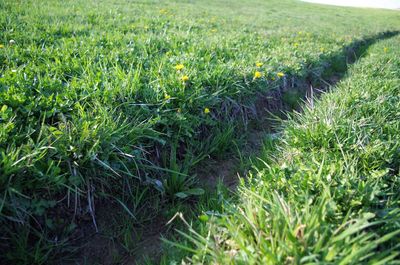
<point x="327" y="192"/>
<point x="119" y="101"/>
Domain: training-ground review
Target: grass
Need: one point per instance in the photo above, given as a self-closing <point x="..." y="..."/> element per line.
<point x="95" y="112"/>
<point x="327" y="191"/>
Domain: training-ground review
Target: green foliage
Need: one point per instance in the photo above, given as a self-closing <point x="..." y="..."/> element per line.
<point x="92" y="106"/>
<point x="330" y="195"/>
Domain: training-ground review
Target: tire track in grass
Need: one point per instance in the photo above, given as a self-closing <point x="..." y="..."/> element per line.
<point x="269" y="107"/>
<point x="331" y="194"/>
<point x="279" y="102"/>
<point x="264" y="115"/>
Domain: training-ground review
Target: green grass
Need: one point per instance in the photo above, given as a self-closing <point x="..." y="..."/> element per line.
<point x="327" y="191"/>
<point x="94" y="113"/>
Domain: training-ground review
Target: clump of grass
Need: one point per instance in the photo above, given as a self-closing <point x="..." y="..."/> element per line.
<point x="330" y="195"/>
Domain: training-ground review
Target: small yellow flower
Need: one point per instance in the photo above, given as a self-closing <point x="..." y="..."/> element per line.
<point x="386" y="49"/>
<point x="185" y="78"/>
<point x="257" y="74"/>
<point x="258" y="64"/>
<point x="322" y="49"/>
<point x="167" y="97"/>
<point x="280" y="74"/>
<point x="213" y="30"/>
<point x="295" y="44"/>
<point x="179" y="67"/>
<point x="273" y="78"/>
<point x="300" y="32"/>
<point x="163" y="11"/>
<point x="206" y="110"/>
<point x="1" y="46"/>
<point x="179" y="110"/>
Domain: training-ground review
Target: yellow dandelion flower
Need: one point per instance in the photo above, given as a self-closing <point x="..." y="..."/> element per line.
<point x="185" y="78"/>
<point x="163" y="11"/>
<point x="167" y="97"/>
<point x="386" y="49"/>
<point x="295" y="44"/>
<point x="1" y="46"/>
<point x="258" y="64"/>
<point x="179" y="67"/>
<point x="257" y="74"/>
<point x="280" y="74"/>
<point x="206" y="110"/>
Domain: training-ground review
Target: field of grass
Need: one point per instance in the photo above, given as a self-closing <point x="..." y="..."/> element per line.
<point x="327" y="192"/>
<point x="111" y="107"/>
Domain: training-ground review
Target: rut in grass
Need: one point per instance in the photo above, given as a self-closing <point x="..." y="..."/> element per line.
<point x="262" y="118"/>
<point x="99" y="81"/>
<point x="329" y="192"/>
<point x="277" y="103"/>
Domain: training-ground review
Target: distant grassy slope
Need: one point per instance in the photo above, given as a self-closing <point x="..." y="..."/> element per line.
<point x="328" y="191"/>
<point x="92" y="106"/>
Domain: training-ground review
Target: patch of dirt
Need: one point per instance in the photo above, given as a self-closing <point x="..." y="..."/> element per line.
<point x="219" y="171"/>
<point x="106" y="246"/>
<point x="100" y="249"/>
<point x="150" y="246"/>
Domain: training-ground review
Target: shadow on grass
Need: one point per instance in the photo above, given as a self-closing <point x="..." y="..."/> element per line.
<point x="322" y="74"/>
